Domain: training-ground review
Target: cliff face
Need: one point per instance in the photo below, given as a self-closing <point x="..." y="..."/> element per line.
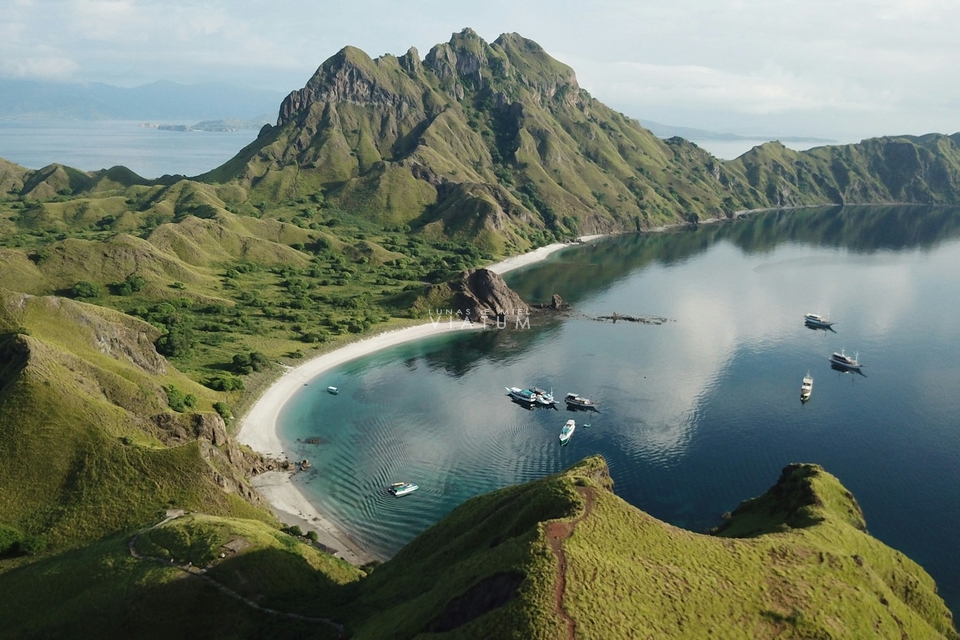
<point x="483" y="292"/>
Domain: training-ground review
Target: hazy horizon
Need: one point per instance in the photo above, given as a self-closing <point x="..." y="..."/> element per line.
<point x="841" y="71"/>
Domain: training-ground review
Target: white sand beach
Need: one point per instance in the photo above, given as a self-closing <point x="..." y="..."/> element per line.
<point x="258" y="429"/>
<point x="536" y="255"/>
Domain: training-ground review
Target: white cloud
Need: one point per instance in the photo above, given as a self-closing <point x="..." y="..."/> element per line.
<point x="768" y="90"/>
<point x="819" y="62"/>
<point x="43" y="68"/>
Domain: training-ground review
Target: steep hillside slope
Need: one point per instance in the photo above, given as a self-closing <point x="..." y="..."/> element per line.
<point x="102" y="591"/>
<point x="88" y="442"/>
<point x="564" y="556"/>
<point x="556" y="558"/>
<point x="497" y="142"/>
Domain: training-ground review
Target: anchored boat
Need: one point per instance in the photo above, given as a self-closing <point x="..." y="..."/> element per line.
<point x="533" y="396"/>
<point x="806" y="387"/>
<point x="844" y="361"/>
<point x="403" y="488"/>
<point x="567" y="432"/>
<point x="816" y="320"/>
<point x="579" y="402"/>
<point x="522" y="395"/>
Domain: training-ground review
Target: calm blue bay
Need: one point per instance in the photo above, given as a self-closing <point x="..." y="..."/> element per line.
<point x="698" y="413"/>
<point x="91" y="145"/>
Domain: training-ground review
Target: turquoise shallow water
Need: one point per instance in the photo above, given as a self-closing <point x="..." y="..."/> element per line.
<point x="697" y="413"/>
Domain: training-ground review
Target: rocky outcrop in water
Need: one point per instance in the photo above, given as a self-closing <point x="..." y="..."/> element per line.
<point x="481" y="292"/>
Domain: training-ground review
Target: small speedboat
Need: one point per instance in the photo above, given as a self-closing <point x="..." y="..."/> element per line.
<point x="333" y="390"/>
<point x="567" y="432"/>
<point x="806" y="387"/>
<point x="400" y="489"/>
<point x="816" y="320"/>
<point x="844" y="361"/>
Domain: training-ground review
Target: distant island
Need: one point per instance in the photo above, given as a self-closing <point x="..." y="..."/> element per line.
<point x="33" y="99"/>
<point x="228" y="125"/>
<point x="690" y="133"/>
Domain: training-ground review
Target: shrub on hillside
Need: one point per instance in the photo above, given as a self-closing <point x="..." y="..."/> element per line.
<point x="225" y="383"/>
<point x="9" y="540"/>
<point x="223" y="410"/>
<point x="84" y="289"/>
<point x="178" y="400"/>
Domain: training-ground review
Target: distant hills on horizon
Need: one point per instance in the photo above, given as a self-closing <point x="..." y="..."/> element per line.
<point x="26" y="99"/>
<point x="690" y="133"/>
<point x="162" y="100"/>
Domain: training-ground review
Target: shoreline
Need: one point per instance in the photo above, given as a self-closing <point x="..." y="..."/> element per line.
<point x="537" y="255"/>
<point x="258" y="428"/>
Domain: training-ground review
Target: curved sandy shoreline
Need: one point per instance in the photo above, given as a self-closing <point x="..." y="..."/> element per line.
<point x="258" y="428"/>
<point x="536" y="255"/>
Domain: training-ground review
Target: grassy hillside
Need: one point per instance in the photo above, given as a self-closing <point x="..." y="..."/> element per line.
<point x="134" y="314"/>
<point x="102" y="591"/>
<point x="554" y="557"/>
<point x="89" y="442"/>
<point x="497" y="144"/>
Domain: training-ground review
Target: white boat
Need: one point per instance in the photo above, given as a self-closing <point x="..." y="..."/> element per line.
<point x="522" y="395"/>
<point x="333" y="390"/>
<point x="806" y="387"/>
<point x="816" y="320"/>
<point x="574" y="400"/>
<point x="844" y="361"/>
<point x="402" y="488"/>
<point x="567" y="432"/>
<point x="543" y="398"/>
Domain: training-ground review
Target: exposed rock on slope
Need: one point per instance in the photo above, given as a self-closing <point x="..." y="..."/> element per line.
<point x="84" y="419"/>
<point x="498" y="143"/>
<point x="481" y="291"/>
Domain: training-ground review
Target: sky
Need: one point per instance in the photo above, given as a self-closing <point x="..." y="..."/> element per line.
<point x="839" y="69"/>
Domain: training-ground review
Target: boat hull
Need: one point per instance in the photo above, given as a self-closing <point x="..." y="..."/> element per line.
<point x="845" y="364"/>
<point x="401" y="489"/>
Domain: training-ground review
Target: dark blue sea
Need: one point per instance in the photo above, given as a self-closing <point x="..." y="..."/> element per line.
<point x="697" y="413"/>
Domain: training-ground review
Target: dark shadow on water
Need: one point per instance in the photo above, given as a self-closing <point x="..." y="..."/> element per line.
<point x="814" y="327"/>
<point x="579" y="409"/>
<point x="461" y="355"/>
<point x="597" y="266"/>
<point x="841" y="369"/>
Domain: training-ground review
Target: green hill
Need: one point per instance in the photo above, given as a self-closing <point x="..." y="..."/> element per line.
<point x="88" y="441"/>
<point x="555" y="558"/>
<point x="497" y="143"/>
<point x="132" y="309"/>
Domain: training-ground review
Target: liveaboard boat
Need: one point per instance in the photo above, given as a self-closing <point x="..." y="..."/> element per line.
<point x="579" y="402"/>
<point x="844" y="361"/>
<point x="816" y="320"/>
<point x="522" y="395"/>
<point x="400" y="489"/>
<point x="567" y="432"/>
<point x="532" y="396"/>
<point x="806" y="387"/>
